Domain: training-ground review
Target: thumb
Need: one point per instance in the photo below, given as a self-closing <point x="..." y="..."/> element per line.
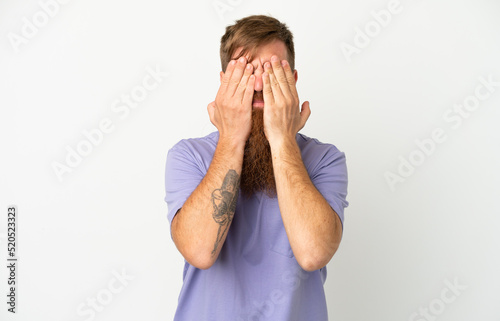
<point x="211" y="111"/>
<point x="304" y="114"/>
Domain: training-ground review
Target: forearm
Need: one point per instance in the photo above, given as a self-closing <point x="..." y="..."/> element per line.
<point x="200" y="227"/>
<point x="313" y="228"/>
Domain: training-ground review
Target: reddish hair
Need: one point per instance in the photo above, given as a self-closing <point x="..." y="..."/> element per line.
<point x="252" y="32"/>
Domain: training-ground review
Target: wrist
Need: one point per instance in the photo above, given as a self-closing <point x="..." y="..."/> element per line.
<point x="231" y="144"/>
<point x="283" y="143"/>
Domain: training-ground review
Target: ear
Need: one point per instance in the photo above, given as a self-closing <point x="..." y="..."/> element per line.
<point x="296" y="75"/>
<point x="221" y="75"/>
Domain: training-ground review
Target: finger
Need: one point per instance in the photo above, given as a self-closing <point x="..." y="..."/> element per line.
<point x="244" y="80"/>
<point x="304" y="114"/>
<point x="279" y="73"/>
<point x="236" y="76"/>
<point x="275" y="86"/>
<point x="249" y="91"/>
<point x="227" y="75"/>
<point x="289" y="77"/>
<point x="267" y="91"/>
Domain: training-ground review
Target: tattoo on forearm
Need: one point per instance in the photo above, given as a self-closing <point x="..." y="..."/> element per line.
<point x="224" y="202"/>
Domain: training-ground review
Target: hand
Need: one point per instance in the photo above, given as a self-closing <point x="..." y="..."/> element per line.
<point x="282" y="117"/>
<point x="231" y="112"/>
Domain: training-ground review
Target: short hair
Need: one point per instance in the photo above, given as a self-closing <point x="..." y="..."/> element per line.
<point x="252" y="32"/>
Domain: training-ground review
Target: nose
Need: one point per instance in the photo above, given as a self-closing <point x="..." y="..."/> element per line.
<point x="258" y="78"/>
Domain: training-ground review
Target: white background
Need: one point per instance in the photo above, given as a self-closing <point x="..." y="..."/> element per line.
<point x="401" y="246"/>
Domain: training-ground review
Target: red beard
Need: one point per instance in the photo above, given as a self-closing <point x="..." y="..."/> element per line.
<point x="257" y="174"/>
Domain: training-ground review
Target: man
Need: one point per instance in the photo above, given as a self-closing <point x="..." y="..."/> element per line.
<point x="258" y="254"/>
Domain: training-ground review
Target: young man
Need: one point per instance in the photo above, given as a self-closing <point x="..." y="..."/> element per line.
<point x="256" y="208"/>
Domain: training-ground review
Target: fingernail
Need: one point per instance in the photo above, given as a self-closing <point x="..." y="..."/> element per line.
<point x="242" y="59"/>
<point x="283" y="63"/>
<point x="274" y="58"/>
<point x="233" y="62"/>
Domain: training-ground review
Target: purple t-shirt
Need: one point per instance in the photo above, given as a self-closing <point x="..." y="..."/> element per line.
<point x="256" y="276"/>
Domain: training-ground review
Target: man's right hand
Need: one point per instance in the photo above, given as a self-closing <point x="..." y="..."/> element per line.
<point x="231" y="112"/>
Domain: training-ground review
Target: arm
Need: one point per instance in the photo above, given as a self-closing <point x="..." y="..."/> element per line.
<point x="200" y="227"/>
<point x="314" y="230"/>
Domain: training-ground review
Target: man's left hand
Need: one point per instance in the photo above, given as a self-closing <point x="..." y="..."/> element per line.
<point x="282" y="117"/>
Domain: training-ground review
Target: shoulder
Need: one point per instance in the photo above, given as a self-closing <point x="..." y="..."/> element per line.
<point x="196" y="152"/>
<point x="203" y="145"/>
<point x="312" y="146"/>
<point x="316" y="153"/>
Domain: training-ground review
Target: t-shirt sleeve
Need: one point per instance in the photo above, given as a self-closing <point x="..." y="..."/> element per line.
<point x="330" y="178"/>
<point x="182" y="175"/>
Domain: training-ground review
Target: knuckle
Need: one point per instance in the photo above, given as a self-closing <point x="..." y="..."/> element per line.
<point x="239" y="67"/>
<point x="242" y="83"/>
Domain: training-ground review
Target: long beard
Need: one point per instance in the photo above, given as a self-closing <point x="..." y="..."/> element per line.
<point x="257" y="174"/>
